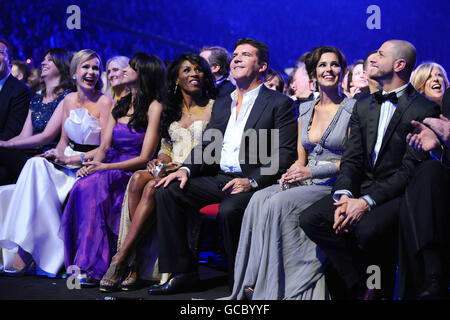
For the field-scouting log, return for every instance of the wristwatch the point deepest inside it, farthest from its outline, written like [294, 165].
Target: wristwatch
[253, 183]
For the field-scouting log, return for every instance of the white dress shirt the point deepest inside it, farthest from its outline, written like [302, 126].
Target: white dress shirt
[386, 112]
[231, 144]
[229, 160]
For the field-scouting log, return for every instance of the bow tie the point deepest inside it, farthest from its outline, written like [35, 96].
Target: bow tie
[384, 97]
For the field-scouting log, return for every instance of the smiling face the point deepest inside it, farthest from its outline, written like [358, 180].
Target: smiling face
[302, 84]
[190, 77]
[48, 67]
[328, 70]
[129, 75]
[371, 69]
[359, 78]
[382, 63]
[244, 64]
[434, 86]
[88, 73]
[114, 73]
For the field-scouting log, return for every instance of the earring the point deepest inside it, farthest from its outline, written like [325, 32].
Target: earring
[74, 77]
[176, 88]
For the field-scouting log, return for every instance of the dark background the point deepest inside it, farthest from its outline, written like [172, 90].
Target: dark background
[170, 27]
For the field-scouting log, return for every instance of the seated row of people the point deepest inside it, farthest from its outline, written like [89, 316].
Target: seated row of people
[81, 204]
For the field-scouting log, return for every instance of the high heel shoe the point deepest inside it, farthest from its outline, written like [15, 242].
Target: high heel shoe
[109, 285]
[132, 281]
[30, 268]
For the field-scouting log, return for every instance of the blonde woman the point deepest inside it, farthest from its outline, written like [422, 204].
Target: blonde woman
[431, 80]
[30, 217]
[115, 87]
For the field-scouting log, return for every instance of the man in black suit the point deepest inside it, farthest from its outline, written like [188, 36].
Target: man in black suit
[14, 97]
[357, 224]
[424, 256]
[247, 125]
[14, 102]
[219, 61]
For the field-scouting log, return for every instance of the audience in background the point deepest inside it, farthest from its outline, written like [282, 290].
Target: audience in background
[302, 85]
[115, 76]
[274, 80]
[357, 81]
[370, 70]
[20, 70]
[35, 81]
[14, 96]
[218, 59]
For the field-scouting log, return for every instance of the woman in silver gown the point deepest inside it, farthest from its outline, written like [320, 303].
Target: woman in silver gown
[275, 258]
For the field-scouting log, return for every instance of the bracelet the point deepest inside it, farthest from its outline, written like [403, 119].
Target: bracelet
[83, 159]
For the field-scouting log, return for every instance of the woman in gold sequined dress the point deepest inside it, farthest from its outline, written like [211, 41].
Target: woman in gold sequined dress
[190, 93]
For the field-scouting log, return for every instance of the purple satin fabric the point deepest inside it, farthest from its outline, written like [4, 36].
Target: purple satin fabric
[91, 219]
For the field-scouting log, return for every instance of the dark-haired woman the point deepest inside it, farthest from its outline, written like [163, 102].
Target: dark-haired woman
[43, 123]
[275, 259]
[190, 90]
[91, 218]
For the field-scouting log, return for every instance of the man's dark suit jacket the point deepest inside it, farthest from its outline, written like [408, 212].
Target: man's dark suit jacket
[14, 104]
[225, 88]
[446, 113]
[446, 104]
[396, 159]
[271, 110]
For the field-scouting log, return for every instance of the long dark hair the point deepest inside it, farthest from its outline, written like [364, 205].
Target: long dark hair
[172, 108]
[61, 58]
[149, 87]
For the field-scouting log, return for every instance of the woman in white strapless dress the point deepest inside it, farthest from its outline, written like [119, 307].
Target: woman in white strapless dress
[30, 210]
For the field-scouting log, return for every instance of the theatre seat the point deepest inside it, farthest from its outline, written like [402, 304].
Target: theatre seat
[210, 210]
[208, 244]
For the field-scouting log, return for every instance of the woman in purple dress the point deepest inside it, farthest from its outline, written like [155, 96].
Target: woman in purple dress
[91, 218]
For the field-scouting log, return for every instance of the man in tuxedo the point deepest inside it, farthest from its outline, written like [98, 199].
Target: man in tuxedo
[219, 61]
[14, 97]
[356, 225]
[248, 123]
[424, 254]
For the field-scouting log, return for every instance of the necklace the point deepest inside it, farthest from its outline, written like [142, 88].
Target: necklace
[187, 110]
